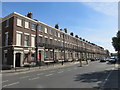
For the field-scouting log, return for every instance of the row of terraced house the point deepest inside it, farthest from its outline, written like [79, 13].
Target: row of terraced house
[26, 40]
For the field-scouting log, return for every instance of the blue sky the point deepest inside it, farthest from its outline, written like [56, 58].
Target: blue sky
[96, 22]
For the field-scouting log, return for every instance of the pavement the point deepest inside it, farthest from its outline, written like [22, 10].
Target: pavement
[95, 75]
[45, 67]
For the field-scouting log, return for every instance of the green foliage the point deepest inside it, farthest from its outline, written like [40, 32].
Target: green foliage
[116, 41]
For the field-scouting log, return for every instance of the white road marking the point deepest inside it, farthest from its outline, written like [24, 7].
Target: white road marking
[60, 72]
[48, 75]
[52, 71]
[5, 81]
[69, 70]
[11, 84]
[33, 78]
[107, 78]
[40, 74]
[24, 77]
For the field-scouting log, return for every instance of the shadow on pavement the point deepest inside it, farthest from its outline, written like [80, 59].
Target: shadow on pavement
[99, 79]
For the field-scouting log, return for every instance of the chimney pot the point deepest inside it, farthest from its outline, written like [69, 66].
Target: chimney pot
[30, 15]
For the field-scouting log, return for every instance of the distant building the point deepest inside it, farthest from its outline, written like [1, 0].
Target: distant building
[27, 40]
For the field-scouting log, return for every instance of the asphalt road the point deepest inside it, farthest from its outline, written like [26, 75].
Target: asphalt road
[93, 75]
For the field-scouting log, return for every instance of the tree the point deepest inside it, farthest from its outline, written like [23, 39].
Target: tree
[116, 43]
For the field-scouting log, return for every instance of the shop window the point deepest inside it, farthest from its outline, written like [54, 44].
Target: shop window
[33, 57]
[25, 58]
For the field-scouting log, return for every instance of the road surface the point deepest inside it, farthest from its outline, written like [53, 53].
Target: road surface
[93, 75]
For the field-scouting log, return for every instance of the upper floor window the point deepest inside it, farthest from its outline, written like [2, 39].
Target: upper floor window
[19, 22]
[51, 41]
[58, 34]
[26, 40]
[40, 27]
[41, 39]
[51, 31]
[33, 26]
[18, 39]
[26, 24]
[46, 30]
[55, 33]
[46, 40]
[6, 38]
[33, 41]
[7, 22]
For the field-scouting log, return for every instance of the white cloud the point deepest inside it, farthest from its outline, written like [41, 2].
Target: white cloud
[108, 8]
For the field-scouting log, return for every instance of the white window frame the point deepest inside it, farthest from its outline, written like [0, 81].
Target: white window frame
[46, 30]
[19, 22]
[28, 39]
[40, 28]
[32, 40]
[6, 38]
[58, 34]
[27, 24]
[7, 22]
[51, 31]
[18, 42]
[34, 26]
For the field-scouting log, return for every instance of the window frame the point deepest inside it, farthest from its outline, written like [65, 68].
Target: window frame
[32, 26]
[19, 23]
[28, 27]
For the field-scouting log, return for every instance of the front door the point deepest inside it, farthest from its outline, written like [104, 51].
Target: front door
[39, 56]
[18, 57]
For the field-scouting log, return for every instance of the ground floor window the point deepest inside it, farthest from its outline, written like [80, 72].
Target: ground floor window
[46, 54]
[5, 58]
[33, 57]
[25, 58]
[51, 54]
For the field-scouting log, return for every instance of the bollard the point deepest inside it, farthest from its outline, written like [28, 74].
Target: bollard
[80, 63]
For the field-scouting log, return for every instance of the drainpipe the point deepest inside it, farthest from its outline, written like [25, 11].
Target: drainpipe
[36, 45]
[63, 46]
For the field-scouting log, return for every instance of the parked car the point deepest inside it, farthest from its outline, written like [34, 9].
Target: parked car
[107, 59]
[112, 60]
[92, 59]
[5, 67]
[102, 60]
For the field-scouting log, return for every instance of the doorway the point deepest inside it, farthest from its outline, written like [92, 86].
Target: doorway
[18, 58]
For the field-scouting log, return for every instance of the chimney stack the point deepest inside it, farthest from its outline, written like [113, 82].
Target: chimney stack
[30, 15]
[57, 26]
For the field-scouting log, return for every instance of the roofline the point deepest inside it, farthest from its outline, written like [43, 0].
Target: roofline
[15, 13]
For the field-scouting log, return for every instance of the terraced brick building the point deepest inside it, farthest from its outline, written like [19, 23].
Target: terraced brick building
[26, 40]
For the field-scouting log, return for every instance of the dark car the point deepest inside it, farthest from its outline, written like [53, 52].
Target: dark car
[102, 60]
